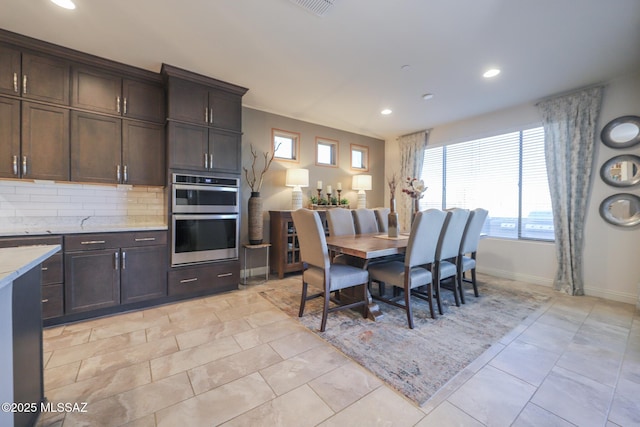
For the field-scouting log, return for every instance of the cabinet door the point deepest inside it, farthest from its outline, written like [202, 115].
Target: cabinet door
[226, 110]
[9, 137]
[9, 70]
[95, 147]
[143, 273]
[96, 91]
[45, 79]
[144, 101]
[188, 146]
[92, 280]
[188, 102]
[143, 153]
[45, 142]
[224, 149]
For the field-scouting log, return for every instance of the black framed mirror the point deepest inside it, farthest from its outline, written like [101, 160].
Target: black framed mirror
[621, 171]
[621, 209]
[623, 132]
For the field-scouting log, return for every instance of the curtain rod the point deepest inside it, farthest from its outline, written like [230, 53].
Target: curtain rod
[413, 133]
[570, 92]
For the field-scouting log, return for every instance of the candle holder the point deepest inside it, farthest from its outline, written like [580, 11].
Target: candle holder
[319, 195]
[329, 199]
[339, 197]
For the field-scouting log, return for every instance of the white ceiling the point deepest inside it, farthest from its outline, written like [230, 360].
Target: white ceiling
[342, 69]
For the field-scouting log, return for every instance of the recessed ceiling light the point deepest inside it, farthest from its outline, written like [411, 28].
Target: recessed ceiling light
[406, 67]
[67, 4]
[427, 96]
[386, 112]
[491, 73]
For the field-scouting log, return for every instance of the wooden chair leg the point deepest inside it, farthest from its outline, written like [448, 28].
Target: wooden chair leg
[407, 303]
[365, 300]
[438, 300]
[473, 282]
[430, 291]
[325, 310]
[303, 300]
[460, 288]
[455, 289]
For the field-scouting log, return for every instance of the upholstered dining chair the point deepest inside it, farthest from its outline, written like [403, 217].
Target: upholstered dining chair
[321, 273]
[365, 221]
[412, 273]
[446, 265]
[340, 222]
[469, 248]
[382, 217]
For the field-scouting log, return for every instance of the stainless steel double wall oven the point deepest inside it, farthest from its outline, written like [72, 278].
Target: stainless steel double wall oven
[205, 219]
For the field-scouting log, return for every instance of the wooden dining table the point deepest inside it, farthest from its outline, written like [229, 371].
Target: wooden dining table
[368, 247]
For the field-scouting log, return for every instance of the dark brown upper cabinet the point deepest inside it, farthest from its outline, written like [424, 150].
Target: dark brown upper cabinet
[35, 77]
[9, 136]
[199, 104]
[107, 93]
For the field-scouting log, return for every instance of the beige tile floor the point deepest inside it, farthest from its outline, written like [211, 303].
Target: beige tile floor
[236, 360]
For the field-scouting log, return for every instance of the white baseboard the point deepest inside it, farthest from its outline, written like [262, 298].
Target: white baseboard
[624, 297]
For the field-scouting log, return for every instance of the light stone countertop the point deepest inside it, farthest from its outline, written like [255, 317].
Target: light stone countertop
[14, 262]
[79, 230]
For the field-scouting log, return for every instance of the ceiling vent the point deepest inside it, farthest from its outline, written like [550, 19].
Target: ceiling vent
[317, 7]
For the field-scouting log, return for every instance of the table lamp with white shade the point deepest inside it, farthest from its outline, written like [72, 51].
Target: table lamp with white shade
[361, 183]
[297, 178]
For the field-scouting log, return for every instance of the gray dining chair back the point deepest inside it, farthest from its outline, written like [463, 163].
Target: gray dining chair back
[413, 273]
[319, 272]
[340, 222]
[382, 217]
[469, 248]
[365, 221]
[447, 255]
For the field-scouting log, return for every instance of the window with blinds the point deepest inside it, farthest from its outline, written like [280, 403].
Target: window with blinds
[505, 174]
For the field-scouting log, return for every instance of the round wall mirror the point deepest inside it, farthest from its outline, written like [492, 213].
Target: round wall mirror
[621, 171]
[621, 209]
[623, 132]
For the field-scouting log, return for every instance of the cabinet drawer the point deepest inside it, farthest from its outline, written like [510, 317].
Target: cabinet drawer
[52, 270]
[147, 238]
[88, 242]
[10, 242]
[52, 301]
[216, 277]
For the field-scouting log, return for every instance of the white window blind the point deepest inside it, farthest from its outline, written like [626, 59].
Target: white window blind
[505, 174]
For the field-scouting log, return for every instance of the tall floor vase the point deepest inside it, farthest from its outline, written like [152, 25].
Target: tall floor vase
[255, 218]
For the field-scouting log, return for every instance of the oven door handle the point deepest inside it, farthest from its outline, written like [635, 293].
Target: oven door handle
[183, 217]
[204, 187]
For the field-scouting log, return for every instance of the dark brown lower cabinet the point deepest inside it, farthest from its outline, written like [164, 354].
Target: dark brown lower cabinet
[143, 274]
[203, 279]
[109, 269]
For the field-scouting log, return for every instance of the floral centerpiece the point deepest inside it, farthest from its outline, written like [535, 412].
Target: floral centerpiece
[415, 189]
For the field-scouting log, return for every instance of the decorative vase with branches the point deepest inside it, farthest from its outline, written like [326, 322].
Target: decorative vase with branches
[255, 180]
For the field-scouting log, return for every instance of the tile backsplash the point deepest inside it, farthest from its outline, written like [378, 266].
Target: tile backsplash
[42, 205]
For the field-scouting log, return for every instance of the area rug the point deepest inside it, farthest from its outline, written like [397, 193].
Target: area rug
[417, 362]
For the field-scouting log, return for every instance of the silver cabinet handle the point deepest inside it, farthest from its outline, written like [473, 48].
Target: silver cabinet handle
[211, 161]
[92, 242]
[24, 84]
[211, 115]
[44, 301]
[118, 104]
[124, 260]
[24, 165]
[125, 174]
[15, 165]
[116, 258]
[206, 161]
[225, 274]
[44, 268]
[125, 106]
[206, 114]
[118, 173]
[15, 82]
[195, 279]
[145, 239]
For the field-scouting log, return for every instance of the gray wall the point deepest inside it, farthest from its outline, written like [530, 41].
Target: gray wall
[256, 127]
